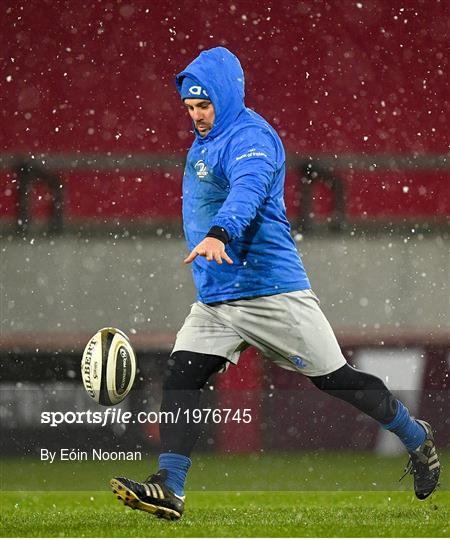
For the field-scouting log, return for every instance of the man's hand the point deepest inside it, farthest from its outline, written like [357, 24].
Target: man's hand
[212, 249]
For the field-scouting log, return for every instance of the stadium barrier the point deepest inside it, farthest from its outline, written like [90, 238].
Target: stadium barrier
[29, 172]
[309, 170]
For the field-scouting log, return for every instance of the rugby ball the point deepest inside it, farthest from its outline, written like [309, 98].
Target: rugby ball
[108, 366]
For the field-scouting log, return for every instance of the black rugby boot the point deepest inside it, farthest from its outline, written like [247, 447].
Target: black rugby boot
[424, 465]
[151, 496]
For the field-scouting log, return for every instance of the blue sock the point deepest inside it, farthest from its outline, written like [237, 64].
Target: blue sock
[410, 432]
[177, 467]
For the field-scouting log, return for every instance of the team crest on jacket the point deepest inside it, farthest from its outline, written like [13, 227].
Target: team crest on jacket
[201, 168]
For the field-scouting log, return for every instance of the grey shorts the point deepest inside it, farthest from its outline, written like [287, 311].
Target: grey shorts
[289, 328]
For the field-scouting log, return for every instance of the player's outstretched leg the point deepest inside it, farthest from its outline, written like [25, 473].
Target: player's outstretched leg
[162, 494]
[370, 395]
[424, 464]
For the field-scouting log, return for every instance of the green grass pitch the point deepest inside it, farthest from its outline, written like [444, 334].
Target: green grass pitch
[348, 495]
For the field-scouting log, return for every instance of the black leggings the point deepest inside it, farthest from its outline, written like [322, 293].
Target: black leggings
[186, 375]
[364, 391]
[188, 372]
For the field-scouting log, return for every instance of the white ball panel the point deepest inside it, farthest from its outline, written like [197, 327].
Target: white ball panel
[91, 366]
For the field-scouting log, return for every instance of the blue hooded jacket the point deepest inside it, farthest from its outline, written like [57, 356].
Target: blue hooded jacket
[234, 179]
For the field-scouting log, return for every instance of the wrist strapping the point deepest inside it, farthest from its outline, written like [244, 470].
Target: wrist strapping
[219, 233]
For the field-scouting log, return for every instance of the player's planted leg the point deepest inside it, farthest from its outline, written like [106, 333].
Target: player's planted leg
[162, 494]
[151, 496]
[370, 395]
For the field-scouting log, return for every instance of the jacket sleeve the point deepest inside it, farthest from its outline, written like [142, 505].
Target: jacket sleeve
[250, 166]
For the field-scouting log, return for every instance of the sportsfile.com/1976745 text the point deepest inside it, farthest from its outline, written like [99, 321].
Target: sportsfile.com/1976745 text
[117, 416]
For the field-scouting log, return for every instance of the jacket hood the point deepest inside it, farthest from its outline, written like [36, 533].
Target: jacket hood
[220, 73]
